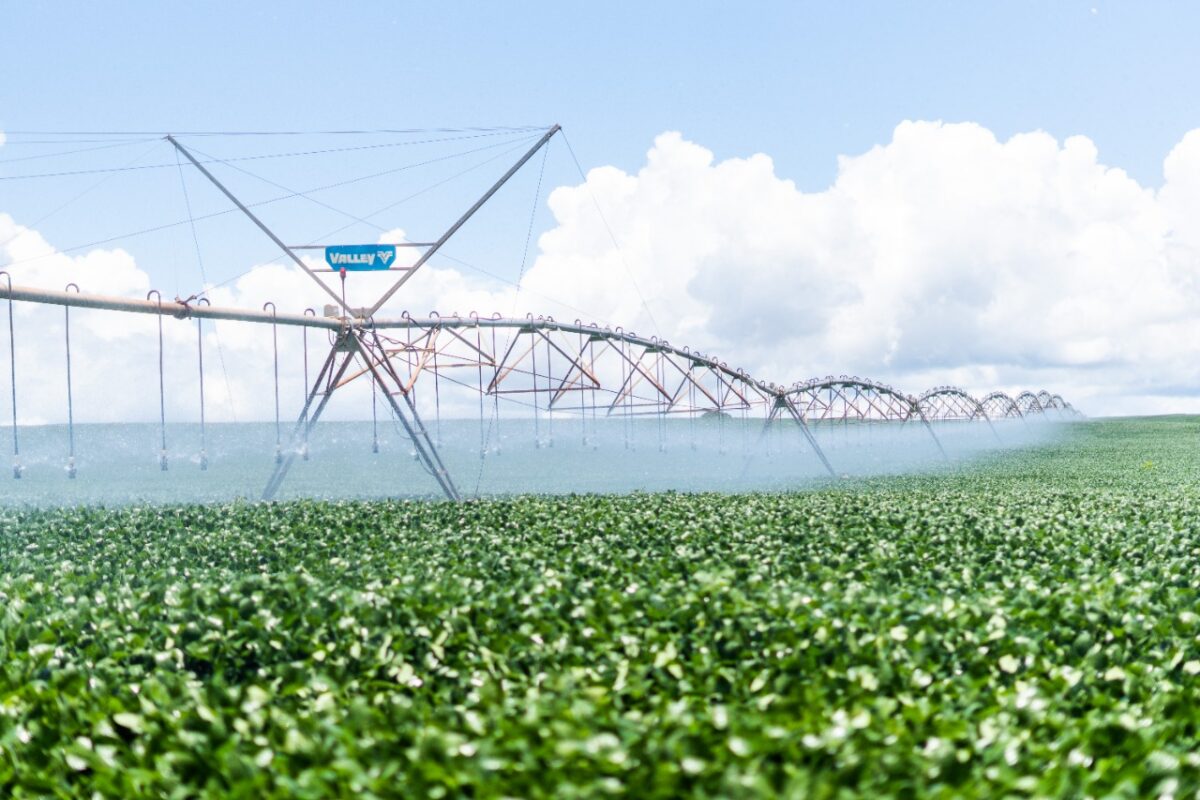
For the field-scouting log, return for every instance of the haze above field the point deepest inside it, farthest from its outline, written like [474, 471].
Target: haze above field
[995, 196]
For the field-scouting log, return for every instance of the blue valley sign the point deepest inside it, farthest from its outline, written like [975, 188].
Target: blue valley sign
[360, 257]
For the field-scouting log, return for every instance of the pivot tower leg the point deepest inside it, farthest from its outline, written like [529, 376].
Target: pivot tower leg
[350, 344]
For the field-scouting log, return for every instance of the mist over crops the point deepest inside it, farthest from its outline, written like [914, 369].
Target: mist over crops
[118, 464]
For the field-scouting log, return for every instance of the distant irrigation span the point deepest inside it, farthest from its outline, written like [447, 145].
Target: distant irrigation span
[534, 367]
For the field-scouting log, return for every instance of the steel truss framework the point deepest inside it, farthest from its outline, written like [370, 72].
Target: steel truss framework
[545, 367]
[541, 368]
[999, 405]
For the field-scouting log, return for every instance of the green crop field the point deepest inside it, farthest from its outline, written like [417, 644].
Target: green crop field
[1028, 628]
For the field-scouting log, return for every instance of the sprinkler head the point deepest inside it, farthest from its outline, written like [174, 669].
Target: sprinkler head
[278, 454]
[17, 470]
[375, 447]
[71, 467]
[304, 452]
[162, 460]
[203, 461]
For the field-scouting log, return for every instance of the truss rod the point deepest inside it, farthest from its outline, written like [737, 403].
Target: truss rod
[790, 407]
[470, 212]
[261, 225]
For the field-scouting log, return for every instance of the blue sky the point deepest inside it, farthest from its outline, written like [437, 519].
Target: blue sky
[861, 223]
[803, 82]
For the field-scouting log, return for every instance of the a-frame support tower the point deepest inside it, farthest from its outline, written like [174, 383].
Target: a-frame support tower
[358, 341]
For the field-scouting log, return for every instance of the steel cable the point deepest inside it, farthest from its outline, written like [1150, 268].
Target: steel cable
[33, 225]
[611, 235]
[187, 201]
[354, 132]
[270, 200]
[495, 353]
[256, 157]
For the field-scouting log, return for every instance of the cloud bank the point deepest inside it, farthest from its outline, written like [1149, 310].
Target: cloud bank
[943, 256]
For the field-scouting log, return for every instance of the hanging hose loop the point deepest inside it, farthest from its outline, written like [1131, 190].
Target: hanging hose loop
[12, 353]
[275, 355]
[162, 389]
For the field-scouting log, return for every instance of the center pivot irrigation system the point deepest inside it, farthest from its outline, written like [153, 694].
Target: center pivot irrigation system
[548, 368]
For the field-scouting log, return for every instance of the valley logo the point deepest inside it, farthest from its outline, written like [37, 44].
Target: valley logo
[360, 257]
